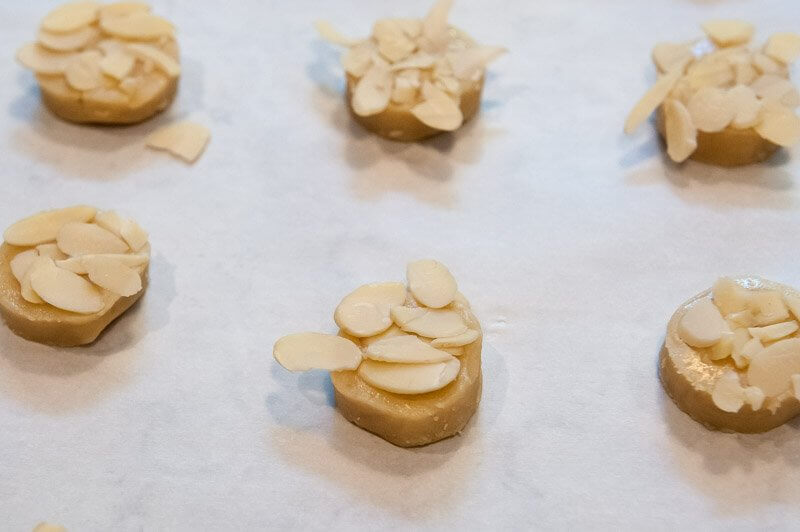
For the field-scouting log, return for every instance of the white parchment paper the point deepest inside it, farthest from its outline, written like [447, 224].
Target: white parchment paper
[574, 243]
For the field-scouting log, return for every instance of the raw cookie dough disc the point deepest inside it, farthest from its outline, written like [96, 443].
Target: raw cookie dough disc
[49, 325]
[414, 420]
[689, 380]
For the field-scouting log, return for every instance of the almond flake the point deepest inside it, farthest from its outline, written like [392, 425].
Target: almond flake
[133, 234]
[44, 226]
[117, 65]
[746, 106]
[77, 264]
[406, 86]
[776, 88]
[83, 73]
[113, 275]
[357, 60]
[462, 339]
[164, 62]
[434, 25]
[418, 60]
[783, 47]
[772, 369]
[50, 250]
[110, 220]
[70, 17]
[307, 351]
[405, 349]
[431, 283]
[469, 64]
[439, 110]
[767, 307]
[711, 71]
[65, 290]
[26, 290]
[330, 34]
[123, 9]
[44, 61]
[779, 126]
[365, 311]
[393, 43]
[666, 55]
[744, 72]
[77, 238]
[186, 140]
[770, 333]
[139, 25]
[711, 109]
[372, 92]
[766, 65]
[68, 42]
[412, 27]
[409, 379]
[430, 323]
[681, 134]
[796, 386]
[728, 394]
[702, 325]
[653, 98]
[728, 32]
[22, 262]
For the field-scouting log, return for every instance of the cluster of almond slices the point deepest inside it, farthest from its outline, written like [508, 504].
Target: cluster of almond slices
[77, 258]
[405, 341]
[756, 330]
[118, 53]
[710, 85]
[423, 65]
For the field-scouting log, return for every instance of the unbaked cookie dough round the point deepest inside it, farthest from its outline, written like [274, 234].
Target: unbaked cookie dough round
[720, 102]
[731, 358]
[104, 63]
[414, 78]
[66, 274]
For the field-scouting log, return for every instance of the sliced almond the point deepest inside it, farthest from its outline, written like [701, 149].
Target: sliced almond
[724, 348]
[70, 17]
[22, 262]
[430, 323]
[431, 283]
[391, 332]
[365, 311]
[123, 9]
[711, 71]
[307, 351]
[744, 72]
[742, 318]
[728, 32]
[139, 25]
[118, 65]
[754, 397]
[186, 140]
[796, 386]
[373, 91]
[421, 60]
[793, 303]
[161, 60]
[702, 325]
[357, 60]
[680, 132]
[130, 85]
[439, 110]
[783, 47]
[779, 126]
[111, 45]
[653, 98]
[111, 274]
[434, 25]
[729, 296]
[459, 340]
[50, 250]
[406, 86]
[393, 43]
[26, 290]
[110, 220]
[42, 60]
[772, 87]
[766, 65]
[746, 106]
[666, 55]
[68, 42]
[133, 234]
[105, 96]
[83, 72]
[412, 27]
[711, 110]
[740, 355]
[728, 394]
[48, 527]
[77, 264]
[66, 290]
[44, 226]
[409, 379]
[333, 36]
[770, 333]
[768, 307]
[77, 238]
[405, 349]
[772, 369]
[750, 350]
[470, 64]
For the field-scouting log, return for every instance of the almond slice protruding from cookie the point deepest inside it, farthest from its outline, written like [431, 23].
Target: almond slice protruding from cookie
[333, 36]
[783, 47]
[711, 109]
[22, 262]
[44, 226]
[430, 323]
[186, 140]
[780, 126]
[43, 61]
[405, 349]
[365, 312]
[747, 108]
[666, 55]
[702, 325]
[83, 72]
[391, 332]
[680, 131]
[65, 290]
[164, 62]
[772, 368]
[728, 32]
[373, 91]
[26, 290]
[431, 283]
[77, 264]
[439, 110]
[68, 42]
[754, 396]
[434, 25]
[728, 394]
[409, 379]
[358, 60]
[653, 98]
[110, 220]
[78, 238]
[133, 234]
[118, 65]
[469, 64]
[460, 340]
[70, 17]
[140, 25]
[770, 333]
[111, 274]
[307, 351]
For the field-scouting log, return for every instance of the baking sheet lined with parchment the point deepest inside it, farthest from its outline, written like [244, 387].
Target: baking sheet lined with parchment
[574, 243]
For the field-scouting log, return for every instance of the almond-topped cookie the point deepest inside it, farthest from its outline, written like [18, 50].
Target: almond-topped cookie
[406, 364]
[104, 63]
[66, 274]
[731, 358]
[413, 78]
[721, 102]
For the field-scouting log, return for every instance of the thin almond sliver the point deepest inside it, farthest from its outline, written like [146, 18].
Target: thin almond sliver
[653, 98]
[186, 139]
[333, 36]
[372, 92]
[65, 290]
[77, 264]
[77, 238]
[44, 226]
[470, 64]
[123, 9]
[746, 106]
[357, 60]
[666, 55]
[681, 135]
[164, 62]
[83, 73]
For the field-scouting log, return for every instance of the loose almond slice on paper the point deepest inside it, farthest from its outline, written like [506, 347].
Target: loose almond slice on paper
[680, 132]
[409, 379]
[66, 290]
[439, 110]
[70, 17]
[164, 62]
[702, 325]
[111, 274]
[50, 250]
[68, 42]
[365, 311]
[405, 349]
[77, 238]
[373, 91]
[728, 32]
[462, 339]
[431, 283]
[44, 226]
[22, 262]
[746, 107]
[118, 65]
[728, 394]
[44, 61]
[83, 73]
[780, 126]
[783, 47]
[430, 323]
[333, 36]
[186, 140]
[653, 98]
[307, 351]
[772, 369]
[711, 109]
[139, 25]
[667, 55]
[133, 234]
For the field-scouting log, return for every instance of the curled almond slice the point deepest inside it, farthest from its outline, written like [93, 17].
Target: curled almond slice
[357, 60]
[22, 262]
[164, 62]
[702, 325]
[68, 42]
[50, 250]
[373, 91]
[772, 368]
[653, 98]
[469, 64]
[70, 17]
[680, 132]
[430, 323]
[728, 394]
[77, 264]
[83, 73]
[748, 351]
[711, 109]
[332, 35]
[111, 274]
[405, 349]
[779, 126]
[44, 226]
[409, 379]
[307, 351]
[365, 311]
[78, 238]
[123, 9]
[783, 47]
[746, 107]
[439, 110]
[462, 339]
[118, 65]
[133, 234]
[728, 32]
[139, 25]
[666, 55]
[42, 60]
[431, 283]
[186, 140]
[774, 332]
[65, 290]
